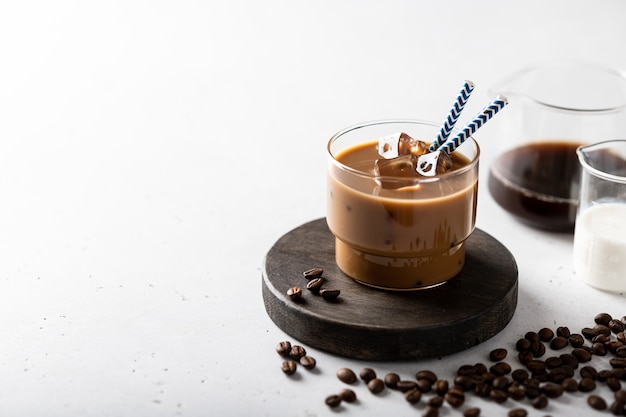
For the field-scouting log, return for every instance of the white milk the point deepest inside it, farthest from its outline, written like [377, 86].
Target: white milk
[600, 246]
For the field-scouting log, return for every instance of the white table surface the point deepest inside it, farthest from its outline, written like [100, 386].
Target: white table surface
[151, 153]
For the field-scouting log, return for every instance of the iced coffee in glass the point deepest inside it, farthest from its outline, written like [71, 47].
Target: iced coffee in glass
[395, 228]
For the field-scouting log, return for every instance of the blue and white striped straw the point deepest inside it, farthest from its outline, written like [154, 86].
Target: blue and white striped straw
[453, 115]
[488, 112]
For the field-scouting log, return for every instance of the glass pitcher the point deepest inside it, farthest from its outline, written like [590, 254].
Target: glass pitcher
[554, 108]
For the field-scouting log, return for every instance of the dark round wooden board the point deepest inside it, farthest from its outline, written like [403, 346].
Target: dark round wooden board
[372, 324]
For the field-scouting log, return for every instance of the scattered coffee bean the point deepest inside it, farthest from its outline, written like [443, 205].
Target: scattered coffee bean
[532, 336]
[500, 368]
[596, 402]
[333, 401]
[602, 318]
[569, 359]
[498, 354]
[621, 337]
[602, 329]
[604, 374]
[518, 393]
[613, 384]
[297, 352]
[586, 385]
[621, 351]
[329, 294]
[536, 366]
[391, 380]
[464, 382]
[558, 343]
[517, 412]
[346, 375]
[436, 401]
[500, 382]
[315, 284]
[424, 385]
[430, 412]
[589, 372]
[582, 355]
[472, 412]
[616, 326]
[313, 273]
[428, 375]
[441, 387]
[546, 334]
[618, 408]
[414, 396]
[552, 390]
[522, 345]
[569, 385]
[576, 340]
[295, 293]
[563, 331]
[405, 385]
[520, 375]
[375, 385]
[455, 397]
[620, 395]
[537, 348]
[283, 348]
[308, 362]
[553, 362]
[499, 396]
[618, 362]
[347, 395]
[367, 374]
[289, 367]
[589, 333]
[540, 402]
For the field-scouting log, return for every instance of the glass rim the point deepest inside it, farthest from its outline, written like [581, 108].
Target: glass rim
[580, 151]
[420, 180]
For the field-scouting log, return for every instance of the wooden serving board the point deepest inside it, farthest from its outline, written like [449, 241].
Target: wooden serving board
[372, 324]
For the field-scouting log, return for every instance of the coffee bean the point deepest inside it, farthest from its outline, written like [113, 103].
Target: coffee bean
[436, 401]
[621, 337]
[289, 367]
[455, 397]
[596, 402]
[582, 355]
[520, 375]
[604, 374]
[315, 284]
[557, 375]
[405, 385]
[333, 401]
[482, 389]
[558, 343]
[569, 359]
[424, 385]
[413, 396]
[430, 412]
[618, 408]
[616, 326]
[586, 385]
[428, 375]
[602, 318]
[308, 362]
[525, 357]
[563, 331]
[375, 385]
[297, 352]
[329, 294]
[367, 374]
[589, 333]
[589, 372]
[522, 345]
[283, 348]
[618, 362]
[540, 402]
[537, 348]
[480, 368]
[498, 354]
[553, 362]
[602, 329]
[517, 393]
[441, 387]
[620, 395]
[532, 336]
[598, 349]
[613, 384]
[313, 273]
[346, 375]
[471, 412]
[500, 368]
[347, 395]
[536, 366]
[621, 351]
[464, 382]
[552, 390]
[391, 380]
[546, 334]
[601, 338]
[576, 340]
[517, 412]
[499, 396]
[294, 293]
[569, 385]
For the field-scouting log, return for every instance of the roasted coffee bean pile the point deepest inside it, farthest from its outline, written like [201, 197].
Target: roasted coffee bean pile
[549, 364]
[315, 285]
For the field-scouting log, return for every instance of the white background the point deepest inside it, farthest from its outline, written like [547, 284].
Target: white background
[152, 152]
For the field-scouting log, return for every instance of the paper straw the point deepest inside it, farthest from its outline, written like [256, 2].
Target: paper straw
[453, 115]
[488, 112]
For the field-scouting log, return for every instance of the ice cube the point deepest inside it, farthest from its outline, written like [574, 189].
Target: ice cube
[433, 163]
[397, 144]
[403, 167]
